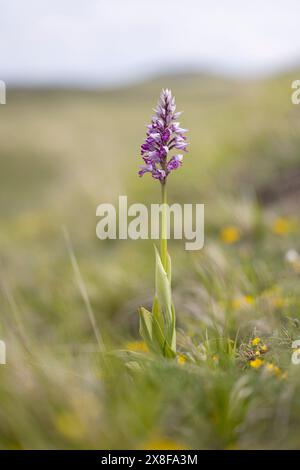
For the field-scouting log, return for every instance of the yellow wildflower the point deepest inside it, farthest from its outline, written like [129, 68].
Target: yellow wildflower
[274, 369]
[237, 303]
[243, 301]
[264, 348]
[278, 302]
[230, 235]
[256, 363]
[137, 346]
[282, 226]
[232, 446]
[255, 341]
[274, 297]
[69, 425]
[181, 359]
[163, 444]
[257, 353]
[215, 358]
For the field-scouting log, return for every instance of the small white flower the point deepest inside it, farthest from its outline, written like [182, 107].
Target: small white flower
[292, 256]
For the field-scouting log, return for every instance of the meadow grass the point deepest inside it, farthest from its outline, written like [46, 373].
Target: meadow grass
[237, 301]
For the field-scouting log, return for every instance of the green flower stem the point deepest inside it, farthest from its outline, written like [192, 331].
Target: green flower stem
[163, 233]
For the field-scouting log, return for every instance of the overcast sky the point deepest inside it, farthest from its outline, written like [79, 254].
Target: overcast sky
[110, 42]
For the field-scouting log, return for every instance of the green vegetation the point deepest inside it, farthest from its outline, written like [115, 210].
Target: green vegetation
[237, 301]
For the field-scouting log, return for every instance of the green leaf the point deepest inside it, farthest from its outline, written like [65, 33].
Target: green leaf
[145, 325]
[157, 313]
[169, 268]
[150, 331]
[163, 301]
[162, 284]
[158, 328]
[173, 331]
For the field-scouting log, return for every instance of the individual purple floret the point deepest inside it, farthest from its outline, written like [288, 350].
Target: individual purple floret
[163, 136]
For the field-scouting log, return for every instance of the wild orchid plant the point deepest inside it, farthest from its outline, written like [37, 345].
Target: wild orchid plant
[164, 136]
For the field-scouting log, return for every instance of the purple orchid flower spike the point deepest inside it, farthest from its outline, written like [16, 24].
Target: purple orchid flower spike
[164, 139]
[164, 135]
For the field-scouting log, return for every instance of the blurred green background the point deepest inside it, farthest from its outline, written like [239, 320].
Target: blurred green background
[63, 152]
